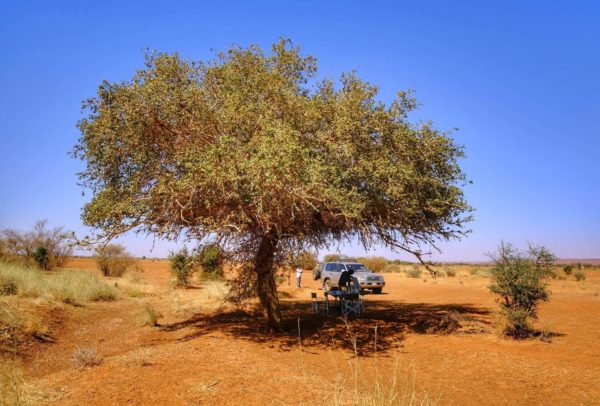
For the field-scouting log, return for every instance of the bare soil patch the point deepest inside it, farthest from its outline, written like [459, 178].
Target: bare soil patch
[438, 335]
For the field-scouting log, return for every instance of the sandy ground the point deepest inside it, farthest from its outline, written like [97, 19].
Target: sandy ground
[201, 354]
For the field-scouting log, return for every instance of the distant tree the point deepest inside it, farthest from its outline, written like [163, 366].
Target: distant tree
[210, 258]
[57, 243]
[113, 259]
[251, 150]
[307, 260]
[521, 281]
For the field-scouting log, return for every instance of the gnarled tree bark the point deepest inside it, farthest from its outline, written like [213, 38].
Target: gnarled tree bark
[266, 288]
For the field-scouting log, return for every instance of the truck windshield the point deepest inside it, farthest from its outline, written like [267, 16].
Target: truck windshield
[357, 267]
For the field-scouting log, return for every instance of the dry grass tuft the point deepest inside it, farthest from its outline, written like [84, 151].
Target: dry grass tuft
[12, 384]
[86, 358]
[148, 315]
[140, 357]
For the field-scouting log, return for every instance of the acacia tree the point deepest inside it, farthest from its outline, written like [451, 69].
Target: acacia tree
[251, 150]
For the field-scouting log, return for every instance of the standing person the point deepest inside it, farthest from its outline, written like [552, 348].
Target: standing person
[298, 276]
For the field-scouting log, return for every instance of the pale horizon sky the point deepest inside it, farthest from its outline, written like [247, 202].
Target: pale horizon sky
[519, 80]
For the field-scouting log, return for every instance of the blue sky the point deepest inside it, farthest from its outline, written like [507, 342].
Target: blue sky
[519, 79]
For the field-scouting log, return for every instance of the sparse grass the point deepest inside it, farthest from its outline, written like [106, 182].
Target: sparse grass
[16, 325]
[21, 280]
[12, 385]
[71, 287]
[579, 275]
[140, 357]
[148, 315]
[214, 291]
[132, 291]
[137, 278]
[86, 358]
[77, 287]
[15, 390]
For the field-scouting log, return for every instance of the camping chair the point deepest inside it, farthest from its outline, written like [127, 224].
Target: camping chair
[352, 304]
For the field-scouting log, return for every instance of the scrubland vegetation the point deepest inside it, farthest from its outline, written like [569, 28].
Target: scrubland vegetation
[71, 287]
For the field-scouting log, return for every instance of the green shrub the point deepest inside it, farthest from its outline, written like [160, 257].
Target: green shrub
[113, 260]
[568, 269]
[210, 259]
[415, 272]
[579, 275]
[41, 257]
[451, 273]
[182, 266]
[520, 279]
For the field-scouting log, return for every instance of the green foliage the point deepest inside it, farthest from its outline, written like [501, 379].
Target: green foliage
[41, 257]
[113, 260]
[307, 260]
[579, 275]
[520, 279]
[182, 266]
[210, 258]
[303, 259]
[568, 269]
[250, 148]
[451, 273]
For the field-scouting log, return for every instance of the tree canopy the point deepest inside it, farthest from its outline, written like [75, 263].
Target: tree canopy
[252, 150]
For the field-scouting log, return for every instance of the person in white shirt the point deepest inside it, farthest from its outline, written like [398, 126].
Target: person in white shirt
[298, 276]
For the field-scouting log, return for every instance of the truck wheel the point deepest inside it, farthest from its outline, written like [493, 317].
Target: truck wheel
[377, 291]
[326, 285]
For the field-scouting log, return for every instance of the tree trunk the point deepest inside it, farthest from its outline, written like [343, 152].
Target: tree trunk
[266, 287]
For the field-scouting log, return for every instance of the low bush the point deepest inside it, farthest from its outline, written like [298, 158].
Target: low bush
[41, 257]
[451, 273]
[579, 275]
[113, 260]
[415, 272]
[210, 260]
[181, 264]
[520, 279]
[568, 269]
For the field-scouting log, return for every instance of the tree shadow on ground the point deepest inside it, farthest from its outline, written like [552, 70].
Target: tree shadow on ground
[381, 327]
